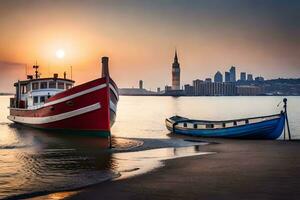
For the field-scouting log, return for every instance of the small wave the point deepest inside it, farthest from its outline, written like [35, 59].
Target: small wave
[4, 123]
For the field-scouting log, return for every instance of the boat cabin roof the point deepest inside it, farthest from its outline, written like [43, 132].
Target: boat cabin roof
[25, 82]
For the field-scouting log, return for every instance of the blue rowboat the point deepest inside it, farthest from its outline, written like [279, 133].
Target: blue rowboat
[264, 127]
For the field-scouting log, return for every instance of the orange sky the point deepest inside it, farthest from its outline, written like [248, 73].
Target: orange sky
[140, 38]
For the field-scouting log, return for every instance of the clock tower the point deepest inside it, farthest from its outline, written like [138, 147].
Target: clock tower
[175, 73]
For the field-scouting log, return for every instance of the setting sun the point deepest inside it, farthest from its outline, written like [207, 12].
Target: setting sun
[60, 53]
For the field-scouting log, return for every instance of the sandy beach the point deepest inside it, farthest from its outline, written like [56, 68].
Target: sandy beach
[240, 169]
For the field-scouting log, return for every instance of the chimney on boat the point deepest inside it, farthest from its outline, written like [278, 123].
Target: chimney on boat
[65, 75]
[105, 71]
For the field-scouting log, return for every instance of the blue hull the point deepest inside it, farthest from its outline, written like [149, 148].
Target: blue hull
[269, 129]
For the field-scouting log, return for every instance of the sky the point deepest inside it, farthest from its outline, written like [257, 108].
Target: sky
[140, 36]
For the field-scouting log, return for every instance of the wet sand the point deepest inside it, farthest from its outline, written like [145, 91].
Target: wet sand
[239, 170]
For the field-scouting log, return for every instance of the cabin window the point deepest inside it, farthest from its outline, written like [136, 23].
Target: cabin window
[35, 100]
[210, 126]
[35, 86]
[44, 85]
[23, 89]
[68, 86]
[61, 85]
[42, 99]
[195, 126]
[52, 84]
[28, 87]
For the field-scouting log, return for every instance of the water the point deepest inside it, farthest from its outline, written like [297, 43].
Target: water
[38, 162]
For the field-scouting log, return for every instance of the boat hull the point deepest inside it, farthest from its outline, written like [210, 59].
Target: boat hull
[269, 129]
[88, 108]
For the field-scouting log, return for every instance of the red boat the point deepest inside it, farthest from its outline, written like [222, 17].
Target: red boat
[56, 104]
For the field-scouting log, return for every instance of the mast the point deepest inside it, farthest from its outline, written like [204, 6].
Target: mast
[36, 70]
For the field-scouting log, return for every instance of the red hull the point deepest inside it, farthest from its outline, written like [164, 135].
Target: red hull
[87, 107]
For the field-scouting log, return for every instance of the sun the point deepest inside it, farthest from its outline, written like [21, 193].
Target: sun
[60, 53]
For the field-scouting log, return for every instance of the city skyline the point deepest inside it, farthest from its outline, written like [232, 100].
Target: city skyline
[140, 38]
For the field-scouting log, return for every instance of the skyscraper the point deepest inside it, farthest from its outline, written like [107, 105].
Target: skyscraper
[141, 84]
[232, 74]
[227, 77]
[175, 73]
[243, 76]
[218, 77]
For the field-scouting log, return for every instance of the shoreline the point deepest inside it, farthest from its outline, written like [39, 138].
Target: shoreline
[248, 169]
[142, 160]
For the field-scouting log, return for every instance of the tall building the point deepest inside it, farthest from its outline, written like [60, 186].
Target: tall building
[141, 84]
[204, 88]
[243, 76]
[249, 77]
[218, 77]
[189, 90]
[198, 87]
[227, 77]
[232, 74]
[175, 73]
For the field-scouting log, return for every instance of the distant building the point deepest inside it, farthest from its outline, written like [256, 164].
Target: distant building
[208, 80]
[218, 89]
[249, 90]
[206, 88]
[232, 74]
[141, 84]
[229, 89]
[227, 77]
[243, 76]
[198, 87]
[218, 77]
[168, 88]
[189, 90]
[249, 77]
[135, 92]
[259, 79]
[175, 73]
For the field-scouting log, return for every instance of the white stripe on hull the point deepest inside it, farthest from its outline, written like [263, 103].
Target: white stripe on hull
[54, 118]
[114, 91]
[75, 95]
[67, 97]
[113, 106]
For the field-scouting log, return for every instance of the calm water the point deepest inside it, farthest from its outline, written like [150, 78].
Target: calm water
[33, 161]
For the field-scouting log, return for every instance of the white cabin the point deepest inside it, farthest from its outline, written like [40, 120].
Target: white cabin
[32, 93]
